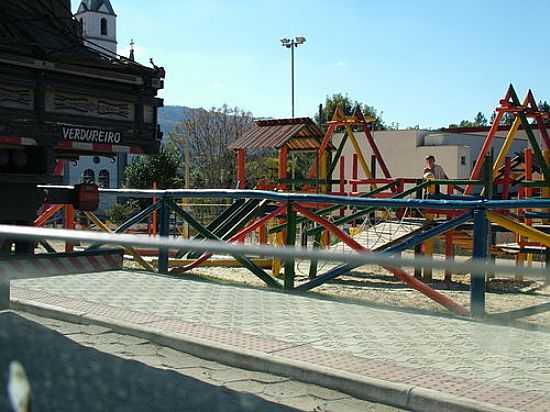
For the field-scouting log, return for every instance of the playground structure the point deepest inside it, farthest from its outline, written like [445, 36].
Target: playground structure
[512, 195]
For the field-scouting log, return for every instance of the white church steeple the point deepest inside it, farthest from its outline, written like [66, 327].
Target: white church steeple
[98, 20]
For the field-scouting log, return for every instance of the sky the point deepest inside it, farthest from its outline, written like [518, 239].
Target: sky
[423, 62]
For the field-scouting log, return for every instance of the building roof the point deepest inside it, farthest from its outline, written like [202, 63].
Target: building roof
[35, 29]
[96, 5]
[297, 134]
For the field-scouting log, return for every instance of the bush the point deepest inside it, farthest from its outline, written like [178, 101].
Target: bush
[162, 168]
[121, 212]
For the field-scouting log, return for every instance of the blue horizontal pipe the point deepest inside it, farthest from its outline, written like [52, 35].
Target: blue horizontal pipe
[318, 198]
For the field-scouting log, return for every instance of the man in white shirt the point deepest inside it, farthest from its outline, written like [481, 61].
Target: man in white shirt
[437, 170]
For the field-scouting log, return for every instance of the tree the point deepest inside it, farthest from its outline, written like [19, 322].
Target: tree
[161, 168]
[480, 120]
[348, 105]
[207, 135]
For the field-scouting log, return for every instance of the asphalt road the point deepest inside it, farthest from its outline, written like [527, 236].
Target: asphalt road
[66, 376]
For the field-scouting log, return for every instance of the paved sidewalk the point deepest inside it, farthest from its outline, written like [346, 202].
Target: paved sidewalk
[206, 385]
[405, 359]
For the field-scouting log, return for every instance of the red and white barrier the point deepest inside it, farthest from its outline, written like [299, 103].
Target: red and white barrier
[62, 264]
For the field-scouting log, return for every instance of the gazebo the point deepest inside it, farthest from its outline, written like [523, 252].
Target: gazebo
[285, 135]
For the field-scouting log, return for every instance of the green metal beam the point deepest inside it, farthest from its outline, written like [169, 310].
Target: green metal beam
[290, 242]
[532, 139]
[243, 260]
[337, 155]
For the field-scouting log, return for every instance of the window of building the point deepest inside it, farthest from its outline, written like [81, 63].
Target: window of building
[104, 27]
[104, 179]
[463, 160]
[88, 176]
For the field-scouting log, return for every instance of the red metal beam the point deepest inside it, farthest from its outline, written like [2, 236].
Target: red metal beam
[483, 152]
[46, 215]
[377, 153]
[241, 168]
[283, 165]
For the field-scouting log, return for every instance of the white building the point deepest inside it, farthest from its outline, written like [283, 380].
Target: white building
[98, 21]
[404, 151]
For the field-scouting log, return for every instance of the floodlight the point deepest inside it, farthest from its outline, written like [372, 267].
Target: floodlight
[300, 39]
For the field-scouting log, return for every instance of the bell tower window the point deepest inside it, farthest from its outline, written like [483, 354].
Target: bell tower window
[104, 27]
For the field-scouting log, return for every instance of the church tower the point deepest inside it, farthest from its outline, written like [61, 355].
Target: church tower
[98, 20]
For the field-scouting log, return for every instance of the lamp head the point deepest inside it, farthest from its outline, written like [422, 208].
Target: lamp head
[300, 39]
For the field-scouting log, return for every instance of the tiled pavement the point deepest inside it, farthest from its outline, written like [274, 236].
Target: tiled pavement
[503, 366]
[276, 389]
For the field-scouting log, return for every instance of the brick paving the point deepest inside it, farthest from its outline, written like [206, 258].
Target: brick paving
[503, 366]
[283, 394]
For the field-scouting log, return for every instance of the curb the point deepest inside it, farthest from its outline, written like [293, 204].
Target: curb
[399, 395]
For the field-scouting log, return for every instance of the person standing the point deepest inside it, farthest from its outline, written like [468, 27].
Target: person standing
[436, 170]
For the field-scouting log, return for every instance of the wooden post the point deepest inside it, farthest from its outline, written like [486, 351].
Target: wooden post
[506, 178]
[154, 216]
[449, 246]
[241, 168]
[528, 194]
[290, 241]
[488, 183]
[69, 224]
[283, 166]
[477, 281]
[342, 182]
[354, 167]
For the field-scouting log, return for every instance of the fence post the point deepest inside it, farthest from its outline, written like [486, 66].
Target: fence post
[477, 280]
[69, 224]
[488, 194]
[290, 241]
[164, 231]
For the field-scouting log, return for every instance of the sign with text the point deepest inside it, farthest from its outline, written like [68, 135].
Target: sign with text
[90, 135]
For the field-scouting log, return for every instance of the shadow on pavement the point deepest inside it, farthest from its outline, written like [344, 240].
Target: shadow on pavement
[68, 377]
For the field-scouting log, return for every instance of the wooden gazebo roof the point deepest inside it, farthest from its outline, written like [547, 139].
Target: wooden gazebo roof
[297, 134]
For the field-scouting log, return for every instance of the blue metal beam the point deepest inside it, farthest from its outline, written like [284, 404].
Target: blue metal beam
[164, 230]
[437, 230]
[481, 246]
[336, 200]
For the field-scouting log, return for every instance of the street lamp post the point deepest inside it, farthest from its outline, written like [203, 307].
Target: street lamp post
[291, 44]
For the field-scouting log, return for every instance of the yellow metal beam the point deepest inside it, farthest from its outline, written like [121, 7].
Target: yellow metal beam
[520, 228]
[129, 249]
[506, 145]
[359, 152]
[228, 263]
[323, 171]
